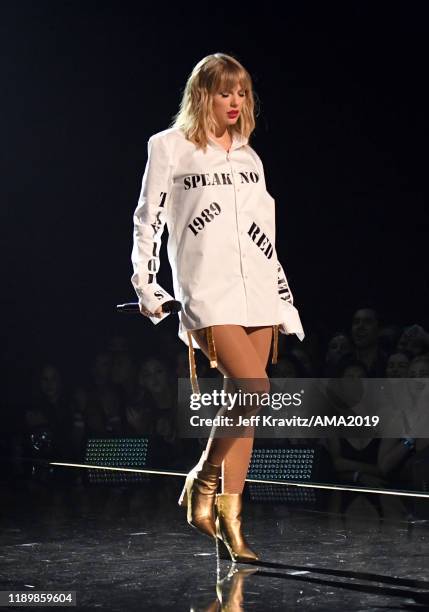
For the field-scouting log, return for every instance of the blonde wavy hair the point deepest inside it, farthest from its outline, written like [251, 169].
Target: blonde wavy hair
[214, 73]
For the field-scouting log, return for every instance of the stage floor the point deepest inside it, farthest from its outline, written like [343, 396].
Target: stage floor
[124, 545]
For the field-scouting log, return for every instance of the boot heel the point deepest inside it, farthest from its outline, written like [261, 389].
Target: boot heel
[222, 551]
[183, 499]
[229, 531]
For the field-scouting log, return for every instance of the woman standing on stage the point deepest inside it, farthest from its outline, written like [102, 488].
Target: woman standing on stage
[207, 183]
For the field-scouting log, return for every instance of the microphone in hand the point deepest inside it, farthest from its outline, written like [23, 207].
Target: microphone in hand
[173, 306]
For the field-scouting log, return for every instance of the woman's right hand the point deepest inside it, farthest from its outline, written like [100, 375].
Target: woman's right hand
[158, 312]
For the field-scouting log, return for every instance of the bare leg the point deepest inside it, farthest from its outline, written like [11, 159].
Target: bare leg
[236, 462]
[242, 354]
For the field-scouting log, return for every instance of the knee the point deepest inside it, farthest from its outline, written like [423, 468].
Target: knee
[259, 386]
[258, 391]
[266, 386]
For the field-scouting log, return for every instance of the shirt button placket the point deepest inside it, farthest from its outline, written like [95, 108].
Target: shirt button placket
[240, 233]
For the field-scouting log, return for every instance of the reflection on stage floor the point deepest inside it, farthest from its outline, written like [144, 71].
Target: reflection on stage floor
[122, 543]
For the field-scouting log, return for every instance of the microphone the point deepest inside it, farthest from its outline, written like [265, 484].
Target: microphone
[134, 308]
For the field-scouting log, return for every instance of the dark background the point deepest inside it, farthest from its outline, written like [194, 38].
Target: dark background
[342, 132]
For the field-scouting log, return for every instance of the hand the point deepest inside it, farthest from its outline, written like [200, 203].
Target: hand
[158, 312]
[133, 417]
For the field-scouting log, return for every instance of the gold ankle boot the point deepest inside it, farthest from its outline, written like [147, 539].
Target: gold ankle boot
[199, 494]
[230, 541]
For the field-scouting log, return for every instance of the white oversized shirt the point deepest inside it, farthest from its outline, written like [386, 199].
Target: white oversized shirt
[221, 236]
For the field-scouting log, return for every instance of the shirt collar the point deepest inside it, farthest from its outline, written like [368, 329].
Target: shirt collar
[237, 141]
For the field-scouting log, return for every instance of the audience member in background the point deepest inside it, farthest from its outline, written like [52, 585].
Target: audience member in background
[156, 376]
[99, 400]
[405, 461]
[123, 369]
[167, 446]
[413, 341]
[141, 410]
[339, 346]
[354, 459]
[50, 412]
[314, 348]
[365, 330]
[397, 365]
[305, 361]
[345, 388]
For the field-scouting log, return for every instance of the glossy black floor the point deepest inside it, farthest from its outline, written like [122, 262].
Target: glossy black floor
[125, 545]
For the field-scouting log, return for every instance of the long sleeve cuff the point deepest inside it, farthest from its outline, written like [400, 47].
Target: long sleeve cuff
[151, 296]
[291, 323]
